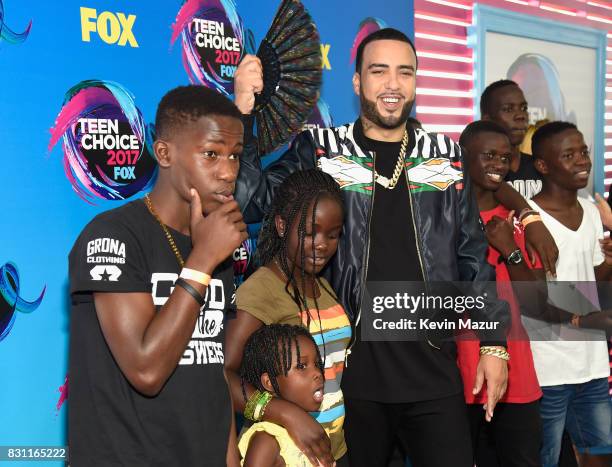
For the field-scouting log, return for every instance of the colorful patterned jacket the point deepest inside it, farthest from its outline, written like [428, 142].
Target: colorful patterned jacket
[450, 240]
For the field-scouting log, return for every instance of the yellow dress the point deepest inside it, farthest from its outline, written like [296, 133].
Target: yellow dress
[290, 453]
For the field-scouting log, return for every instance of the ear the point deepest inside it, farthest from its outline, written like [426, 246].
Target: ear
[266, 383]
[485, 117]
[281, 225]
[162, 153]
[356, 82]
[540, 165]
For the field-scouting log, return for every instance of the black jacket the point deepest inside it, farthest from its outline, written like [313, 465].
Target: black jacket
[450, 239]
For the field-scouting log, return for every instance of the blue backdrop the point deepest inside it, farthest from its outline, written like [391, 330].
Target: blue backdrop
[128, 43]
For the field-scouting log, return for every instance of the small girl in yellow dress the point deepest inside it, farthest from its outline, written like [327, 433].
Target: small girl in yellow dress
[280, 360]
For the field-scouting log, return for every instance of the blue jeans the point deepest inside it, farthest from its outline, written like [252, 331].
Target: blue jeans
[585, 410]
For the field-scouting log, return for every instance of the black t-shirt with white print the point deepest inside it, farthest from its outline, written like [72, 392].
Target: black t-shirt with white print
[110, 422]
[526, 180]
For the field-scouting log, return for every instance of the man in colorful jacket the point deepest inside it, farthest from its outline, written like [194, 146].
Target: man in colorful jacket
[410, 216]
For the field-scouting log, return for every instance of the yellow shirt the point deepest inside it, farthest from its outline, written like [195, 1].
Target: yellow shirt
[290, 453]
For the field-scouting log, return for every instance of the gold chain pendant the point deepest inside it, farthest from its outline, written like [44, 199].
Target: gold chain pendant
[399, 166]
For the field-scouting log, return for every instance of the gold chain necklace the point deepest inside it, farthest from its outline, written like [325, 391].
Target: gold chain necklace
[177, 253]
[399, 166]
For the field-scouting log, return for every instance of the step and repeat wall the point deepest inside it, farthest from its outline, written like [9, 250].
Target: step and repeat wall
[79, 85]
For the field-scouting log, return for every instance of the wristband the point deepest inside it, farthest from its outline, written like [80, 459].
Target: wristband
[526, 212]
[190, 290]
[495, 352]
[197, 276]
[529, 219]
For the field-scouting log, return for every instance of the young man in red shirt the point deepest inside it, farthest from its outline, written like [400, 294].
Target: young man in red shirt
[516, 426]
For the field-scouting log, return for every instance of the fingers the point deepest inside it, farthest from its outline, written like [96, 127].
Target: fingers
[241, 226]
[228, 207]
[503, 389]
[604, 211]
[195, 207]
[601, 203]
[549, 267]
[532, 256]
[478, 382]
[234, 216]
[510, 218]
[495, 371]
[550, 260]
[541, 241]
[248, 81]
[249, 76]
[319, 453]
[554, 255]
[492, 398]
[325, 456]
[495, 391]
[310, 455]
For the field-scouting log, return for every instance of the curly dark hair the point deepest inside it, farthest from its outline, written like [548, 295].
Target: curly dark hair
[268, 350]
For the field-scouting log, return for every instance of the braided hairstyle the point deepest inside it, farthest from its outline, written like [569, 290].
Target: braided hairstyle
[291, 202]
[268, 350]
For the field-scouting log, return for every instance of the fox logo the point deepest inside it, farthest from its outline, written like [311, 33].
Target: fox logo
[111, 28]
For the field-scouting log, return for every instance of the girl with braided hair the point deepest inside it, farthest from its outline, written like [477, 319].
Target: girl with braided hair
[298, 237]
[284, 361]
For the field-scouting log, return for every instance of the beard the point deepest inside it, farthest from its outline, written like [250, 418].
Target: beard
[369, 111]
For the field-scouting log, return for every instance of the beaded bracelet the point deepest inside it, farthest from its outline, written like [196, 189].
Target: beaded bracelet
[256, 405]
[249, 407]
[262, 403]
[495, 352]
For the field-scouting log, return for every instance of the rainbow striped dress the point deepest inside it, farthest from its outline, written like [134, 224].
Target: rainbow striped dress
[263, 296]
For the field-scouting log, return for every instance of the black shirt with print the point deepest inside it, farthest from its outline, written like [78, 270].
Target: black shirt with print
[526, 180]
[110, 423]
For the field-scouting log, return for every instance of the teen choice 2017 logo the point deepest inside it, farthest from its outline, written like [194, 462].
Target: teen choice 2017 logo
[10, 301]
[9, 36]
[213, 42]
[106, 144]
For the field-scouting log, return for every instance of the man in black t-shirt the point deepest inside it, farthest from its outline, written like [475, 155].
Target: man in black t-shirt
[504, 103]
[150, 285]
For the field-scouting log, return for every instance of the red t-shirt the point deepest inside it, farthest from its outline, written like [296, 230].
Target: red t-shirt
[523, 383]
